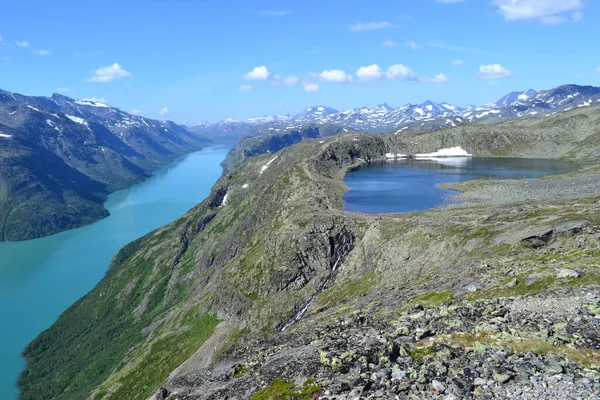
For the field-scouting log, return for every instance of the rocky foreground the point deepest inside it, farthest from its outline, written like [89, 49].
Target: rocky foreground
[270, 290]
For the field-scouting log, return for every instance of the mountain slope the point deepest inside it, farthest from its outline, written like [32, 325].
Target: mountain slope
[271, 248]
[425, 117]
[61, 157]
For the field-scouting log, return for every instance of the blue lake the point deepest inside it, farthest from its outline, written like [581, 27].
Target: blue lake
[40, 278]
[413, 185]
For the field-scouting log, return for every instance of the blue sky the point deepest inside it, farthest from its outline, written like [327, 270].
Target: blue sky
[195, 60]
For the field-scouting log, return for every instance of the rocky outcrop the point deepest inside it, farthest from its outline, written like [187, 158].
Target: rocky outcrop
[430, 304]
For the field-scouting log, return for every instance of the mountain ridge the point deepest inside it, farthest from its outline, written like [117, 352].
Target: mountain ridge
[362, 297]
[424, 117]
[61, 157]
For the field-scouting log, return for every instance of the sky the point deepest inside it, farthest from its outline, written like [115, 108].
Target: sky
[196, 60]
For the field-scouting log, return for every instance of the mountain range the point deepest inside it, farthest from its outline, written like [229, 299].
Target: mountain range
[60, 158]
[424, 117]
[271, 289]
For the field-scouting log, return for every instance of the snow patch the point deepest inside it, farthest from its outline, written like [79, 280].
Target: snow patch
[449, 152]
[392, 155]
[245, 185]
[4, 135]
[225, 198]
[34, 109]
[91, 103]
[77, 119]
[264, 167]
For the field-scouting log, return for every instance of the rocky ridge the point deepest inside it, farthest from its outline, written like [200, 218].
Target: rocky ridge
[424, 117]
[427, 304]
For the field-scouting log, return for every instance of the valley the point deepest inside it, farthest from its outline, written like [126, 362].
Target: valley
[461, 300]
[61, 157]
[41, 278]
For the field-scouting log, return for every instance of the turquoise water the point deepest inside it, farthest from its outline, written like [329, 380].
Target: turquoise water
[41, 278]
[413, 185]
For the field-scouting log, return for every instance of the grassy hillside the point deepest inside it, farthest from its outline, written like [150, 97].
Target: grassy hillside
[272, 238]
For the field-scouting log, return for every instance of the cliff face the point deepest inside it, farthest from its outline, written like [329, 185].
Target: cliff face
[272, 250]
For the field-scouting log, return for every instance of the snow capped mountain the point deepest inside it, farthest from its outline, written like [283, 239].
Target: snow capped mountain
[317, 112]
[532, 104]
[514, 97]
[423, 117]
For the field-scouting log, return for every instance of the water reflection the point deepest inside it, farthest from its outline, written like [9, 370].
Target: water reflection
[413, 185]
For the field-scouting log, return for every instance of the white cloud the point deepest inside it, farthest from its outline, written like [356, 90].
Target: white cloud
[311, 88]
[400, 72]
[108, 74]
[164, 111]
[43, 52]
[413, 45]
[245, 88]
[335, 76]
[458, 62]
[95, 99]
[369, 73]
[389, 43]
[22, 43]
[136, 112]
[62, 89]
[547, 12]
[279, 80]
[274, 13]
[494, 71]
[258, 74]
[439, 78]
[369, 26]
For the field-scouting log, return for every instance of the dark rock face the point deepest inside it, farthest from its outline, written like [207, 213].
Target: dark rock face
[570, 227]
[60, 157]
[538, 239]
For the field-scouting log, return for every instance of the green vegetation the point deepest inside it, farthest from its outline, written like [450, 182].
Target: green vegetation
[347, 291]
[283, 390]
[585, 357]
[421, 352]
[164, 354]
[60, 370]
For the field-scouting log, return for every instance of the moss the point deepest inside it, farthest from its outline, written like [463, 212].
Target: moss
[349, 290]
[585, 357]
[433, 298]
[419, 238]
[285, 390]
[421, 352]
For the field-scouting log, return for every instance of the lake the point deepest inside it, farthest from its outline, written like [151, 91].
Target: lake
[40, 278]
[413, 185]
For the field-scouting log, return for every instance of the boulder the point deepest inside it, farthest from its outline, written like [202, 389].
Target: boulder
[570, 227]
